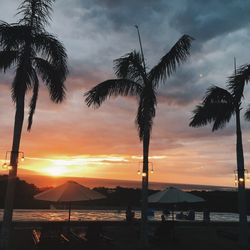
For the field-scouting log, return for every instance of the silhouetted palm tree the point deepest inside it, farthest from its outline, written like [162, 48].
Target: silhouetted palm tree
[134, 80]
[237, 84]
[33, 52]
[218, 107]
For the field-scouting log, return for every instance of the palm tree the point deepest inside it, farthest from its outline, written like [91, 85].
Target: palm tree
[133, 79]
[218, 107]
[237, 82]
[34, 53]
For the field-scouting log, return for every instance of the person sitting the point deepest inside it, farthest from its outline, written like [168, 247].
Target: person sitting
[166, 212]
[150, 212]
[206, 215]
[181, 216]
[129, 214]
[191, 215]
[163, 219]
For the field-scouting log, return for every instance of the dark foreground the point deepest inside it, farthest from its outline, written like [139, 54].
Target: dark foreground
[122, 235]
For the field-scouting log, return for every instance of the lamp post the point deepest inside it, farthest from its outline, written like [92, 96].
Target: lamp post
[8, 153]
[139, 172]
[239, 180]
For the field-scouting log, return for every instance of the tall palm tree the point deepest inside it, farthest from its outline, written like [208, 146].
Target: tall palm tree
[133, 79]
[33, 52]
[218, 107]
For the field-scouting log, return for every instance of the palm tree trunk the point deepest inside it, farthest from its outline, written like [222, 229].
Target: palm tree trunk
[243, 235]
[144, 206]
[9, 198]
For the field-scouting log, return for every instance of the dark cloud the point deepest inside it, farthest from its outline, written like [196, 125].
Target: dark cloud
[95, 32]
[206, 20]
[182, 88]
[120, 14]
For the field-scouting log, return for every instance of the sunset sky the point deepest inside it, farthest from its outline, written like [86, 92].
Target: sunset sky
[70, 139]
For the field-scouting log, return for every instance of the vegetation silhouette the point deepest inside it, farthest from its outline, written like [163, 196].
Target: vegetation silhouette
[218, 107]
[134, 79]
[34, 52]
[118, 198]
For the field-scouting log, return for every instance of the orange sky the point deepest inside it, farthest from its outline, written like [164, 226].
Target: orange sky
[71, 139]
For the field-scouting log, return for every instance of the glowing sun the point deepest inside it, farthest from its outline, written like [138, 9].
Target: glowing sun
[56, 170]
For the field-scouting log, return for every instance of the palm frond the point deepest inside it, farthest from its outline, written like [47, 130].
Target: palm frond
[217, 113]
[12, 36]
[216, 95]
[53, 77]
[168, 63]
[51, 49]
[146, 111]
[224, 114]
[202, 115]
[217, 107]
[113, 87]
[33, 99]
[35, 13]
[236, 82]
[8, 58]
[130, 67]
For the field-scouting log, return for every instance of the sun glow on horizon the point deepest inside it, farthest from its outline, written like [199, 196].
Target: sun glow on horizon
[73, 166]
[56, 171]
[168, 167]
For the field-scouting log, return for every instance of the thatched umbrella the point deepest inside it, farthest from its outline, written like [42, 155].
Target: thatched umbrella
[173, 195]
[69, 192]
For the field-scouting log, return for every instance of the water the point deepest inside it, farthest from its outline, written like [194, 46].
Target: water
[102, 215]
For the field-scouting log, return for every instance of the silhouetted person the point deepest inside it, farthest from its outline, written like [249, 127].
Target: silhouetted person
[163, 219]
[191, 215]
[181, 216]
[129, 214]
[166, 212]
[206, 215]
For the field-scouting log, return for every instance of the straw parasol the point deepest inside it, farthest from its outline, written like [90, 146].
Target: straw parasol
[69, 192]
[173, 195]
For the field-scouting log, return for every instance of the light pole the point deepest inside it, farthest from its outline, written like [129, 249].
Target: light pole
[9, 153]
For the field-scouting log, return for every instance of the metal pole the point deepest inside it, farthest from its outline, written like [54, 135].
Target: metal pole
[234, 66]
[69, 211]
[142, 55]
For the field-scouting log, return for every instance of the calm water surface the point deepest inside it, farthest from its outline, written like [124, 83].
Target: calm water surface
[109, 215]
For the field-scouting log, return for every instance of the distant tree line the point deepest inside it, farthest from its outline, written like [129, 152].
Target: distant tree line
[120, 198]
[23, 196]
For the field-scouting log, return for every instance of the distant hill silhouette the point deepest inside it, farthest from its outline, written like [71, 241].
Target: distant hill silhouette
[23, 195]
[119, 197]
[48, 181]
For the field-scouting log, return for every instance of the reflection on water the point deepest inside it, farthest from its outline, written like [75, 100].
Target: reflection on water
[101, 215]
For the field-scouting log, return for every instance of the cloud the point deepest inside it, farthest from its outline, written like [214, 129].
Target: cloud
[95, 32]
[210, 19]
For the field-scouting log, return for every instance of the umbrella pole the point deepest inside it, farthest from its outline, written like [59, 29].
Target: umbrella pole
[69, 211]
[173, 221]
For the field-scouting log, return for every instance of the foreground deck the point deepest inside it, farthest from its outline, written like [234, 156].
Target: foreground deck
[188, 235]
